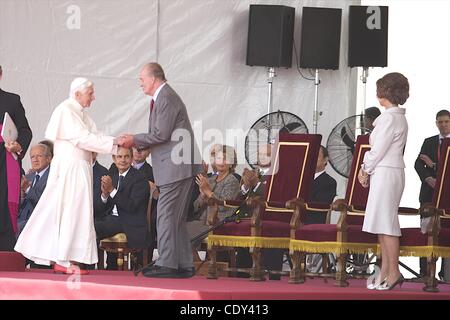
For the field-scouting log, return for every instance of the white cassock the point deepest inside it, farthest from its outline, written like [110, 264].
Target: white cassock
[61, 227]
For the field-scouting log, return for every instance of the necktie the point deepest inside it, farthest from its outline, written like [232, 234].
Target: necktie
[36, 179]
[152, 102]
[120, 182]
[440, 149]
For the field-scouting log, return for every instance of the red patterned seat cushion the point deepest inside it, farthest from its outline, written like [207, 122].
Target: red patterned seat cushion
[316, 232]
[356, 235]
[275, 229]
[328, 232]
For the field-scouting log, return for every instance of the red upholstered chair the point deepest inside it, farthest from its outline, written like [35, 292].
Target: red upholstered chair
[436, 242]
[291, 176]
[342, 238]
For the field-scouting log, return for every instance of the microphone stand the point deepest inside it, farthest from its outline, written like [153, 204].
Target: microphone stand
[235, 217]
[232, 218]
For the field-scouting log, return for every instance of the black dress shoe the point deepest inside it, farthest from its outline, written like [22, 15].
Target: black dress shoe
[162, 272]
[186, 273]
[143, 269]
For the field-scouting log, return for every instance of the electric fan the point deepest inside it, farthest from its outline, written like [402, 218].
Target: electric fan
[266, 128]
[341, 143]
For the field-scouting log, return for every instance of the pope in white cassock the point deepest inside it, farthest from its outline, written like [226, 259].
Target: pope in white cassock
[61, 229]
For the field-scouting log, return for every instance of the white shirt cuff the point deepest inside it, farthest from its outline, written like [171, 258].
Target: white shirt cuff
[113, 193]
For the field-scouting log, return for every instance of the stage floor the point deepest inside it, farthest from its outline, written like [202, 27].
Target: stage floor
[115, 285]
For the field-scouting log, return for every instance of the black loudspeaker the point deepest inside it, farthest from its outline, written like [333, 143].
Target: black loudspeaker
[270, 36]
[368, 36]
[320, 38]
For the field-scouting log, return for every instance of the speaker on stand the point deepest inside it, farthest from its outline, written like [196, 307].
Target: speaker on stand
[320, 45]
[368, 40]
[270, 42]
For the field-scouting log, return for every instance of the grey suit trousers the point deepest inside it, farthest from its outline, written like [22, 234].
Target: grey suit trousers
[174, 244]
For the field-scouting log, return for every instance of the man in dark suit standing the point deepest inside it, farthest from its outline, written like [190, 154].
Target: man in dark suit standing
[10, 171]
[176, 161]
[124, 201]
[426, 167]
[33, 184]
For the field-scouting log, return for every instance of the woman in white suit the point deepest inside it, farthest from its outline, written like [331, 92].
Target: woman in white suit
[385, 166]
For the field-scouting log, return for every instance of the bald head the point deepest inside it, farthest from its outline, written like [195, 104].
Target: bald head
[264, 155]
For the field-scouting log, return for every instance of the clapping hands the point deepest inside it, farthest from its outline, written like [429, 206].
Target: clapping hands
[250, 178]
[203, 185]
[106, 186]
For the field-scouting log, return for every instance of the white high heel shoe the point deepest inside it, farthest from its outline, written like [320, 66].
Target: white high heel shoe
[387, 286]
[375, 284]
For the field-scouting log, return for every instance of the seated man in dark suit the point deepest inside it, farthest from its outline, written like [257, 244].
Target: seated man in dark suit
[123, 204]
[323, 188]
[253, 184]
[98, 171]
[33, 184]
[323, 191]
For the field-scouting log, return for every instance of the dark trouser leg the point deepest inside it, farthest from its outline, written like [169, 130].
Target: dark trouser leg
[423, 266]
[273, 260]
[105, 228]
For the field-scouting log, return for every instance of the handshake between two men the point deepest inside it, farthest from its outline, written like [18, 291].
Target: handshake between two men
[125, 140]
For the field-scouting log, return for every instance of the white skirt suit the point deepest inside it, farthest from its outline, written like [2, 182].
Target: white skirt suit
[385, 165]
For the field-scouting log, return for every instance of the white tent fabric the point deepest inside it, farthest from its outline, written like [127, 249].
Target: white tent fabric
[201, 44]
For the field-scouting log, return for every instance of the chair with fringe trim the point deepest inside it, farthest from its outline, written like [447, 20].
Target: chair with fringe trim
[343, 238]
[435, 242]
[347, 237]
[291, 176]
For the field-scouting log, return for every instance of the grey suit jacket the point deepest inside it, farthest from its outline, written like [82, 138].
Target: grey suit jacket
[175, 155]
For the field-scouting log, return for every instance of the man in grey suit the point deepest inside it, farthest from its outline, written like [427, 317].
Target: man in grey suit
[176, 161]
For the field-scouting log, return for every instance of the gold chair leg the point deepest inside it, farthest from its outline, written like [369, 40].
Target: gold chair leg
[431, 281]
[341, 278]
[256, 274]
[212, 268]
[294, 275]
[120, 259]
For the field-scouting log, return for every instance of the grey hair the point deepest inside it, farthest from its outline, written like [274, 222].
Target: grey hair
[155, 69]
[44, 147]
